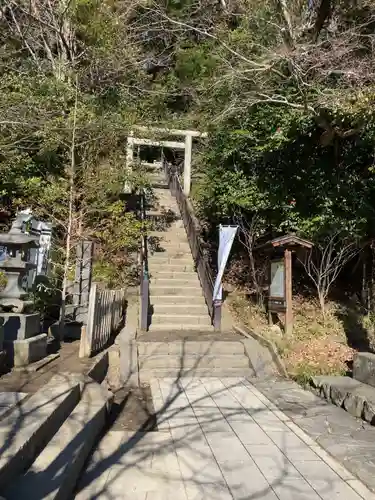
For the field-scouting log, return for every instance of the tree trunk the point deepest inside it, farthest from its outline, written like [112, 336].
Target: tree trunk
[324, 11]
[322, 303]
[288, 27]
[72, 170]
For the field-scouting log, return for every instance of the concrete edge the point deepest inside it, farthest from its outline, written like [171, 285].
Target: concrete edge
[99, 368]
[88, 385]
[126, 341]
[37, 365]
[267, 344]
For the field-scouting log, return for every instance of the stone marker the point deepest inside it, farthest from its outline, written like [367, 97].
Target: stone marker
[30, 350]
[21, 327]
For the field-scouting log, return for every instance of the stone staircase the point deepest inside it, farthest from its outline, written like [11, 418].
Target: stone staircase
[46, 437]
[176, 297]
[181, 340]
[192, 355]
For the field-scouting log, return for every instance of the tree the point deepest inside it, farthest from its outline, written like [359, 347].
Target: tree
[324, 263]
[249, 233]
[64, 118]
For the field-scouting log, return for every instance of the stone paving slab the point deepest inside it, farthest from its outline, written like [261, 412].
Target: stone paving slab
[349, 440]
[218, 438]
[8, 400]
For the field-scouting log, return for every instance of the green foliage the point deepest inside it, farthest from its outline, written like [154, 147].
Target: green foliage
[291, 129]
[274, 164]
[47, 103]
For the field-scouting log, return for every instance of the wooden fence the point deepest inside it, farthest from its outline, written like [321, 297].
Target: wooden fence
[105, 313]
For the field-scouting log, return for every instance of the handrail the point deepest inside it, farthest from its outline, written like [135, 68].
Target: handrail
[193, 233]
[144, 285]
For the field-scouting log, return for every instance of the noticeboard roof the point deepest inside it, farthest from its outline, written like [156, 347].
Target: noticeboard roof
[286, 241]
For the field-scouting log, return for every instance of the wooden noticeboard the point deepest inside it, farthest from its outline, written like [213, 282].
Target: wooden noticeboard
[277, 282]
[276, 299]
[280, 276]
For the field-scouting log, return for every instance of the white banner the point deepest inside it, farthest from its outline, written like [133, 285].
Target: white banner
[226, 238]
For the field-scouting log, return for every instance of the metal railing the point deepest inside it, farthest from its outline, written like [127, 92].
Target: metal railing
[145, 279]
[192, 228]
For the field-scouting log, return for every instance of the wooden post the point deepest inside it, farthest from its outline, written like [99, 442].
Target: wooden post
[217, 315]
[288, 292]
[86, 342]
[187, 164]
[82, 283]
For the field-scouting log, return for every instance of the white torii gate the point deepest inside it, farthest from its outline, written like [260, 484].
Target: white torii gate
[187, 145]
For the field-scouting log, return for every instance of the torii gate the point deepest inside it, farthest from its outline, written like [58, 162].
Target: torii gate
[187, 145]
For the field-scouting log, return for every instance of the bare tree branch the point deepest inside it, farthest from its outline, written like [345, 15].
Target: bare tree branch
[324, 263]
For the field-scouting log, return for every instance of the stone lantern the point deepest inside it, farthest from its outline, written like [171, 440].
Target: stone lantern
[21, 324]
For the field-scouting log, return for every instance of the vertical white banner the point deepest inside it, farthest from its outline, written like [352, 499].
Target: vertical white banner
[226, 238]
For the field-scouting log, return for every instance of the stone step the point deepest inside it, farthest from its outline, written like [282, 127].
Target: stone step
[183, 291]
[174, 246]
[26, 429]
[170, 250]
[189, 280]
[157, 214]
[178, 258]
[179, 309]
[158, 176]
[146, 375]
[165, 210]
[161, 225]
[175, 275]
[170, 236]
[158, 182]
[172, 241]
[169, 232]
[188, 361]
[152, 165]
[171, 269]
[166, 199]
[166, 206]
[178, 224]
[171, 224]
[164, 194]
[179, 347]
[56, 470]
[181, 319]
[157, 327]
[170, 203]
[186, 300]
[9, 400]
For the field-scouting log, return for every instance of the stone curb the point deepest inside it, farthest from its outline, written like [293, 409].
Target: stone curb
[355, 397]
[98, 370]
[267, 344]
[127, 344]
[37, 365]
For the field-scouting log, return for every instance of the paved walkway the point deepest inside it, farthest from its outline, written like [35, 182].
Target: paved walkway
[216, 439]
